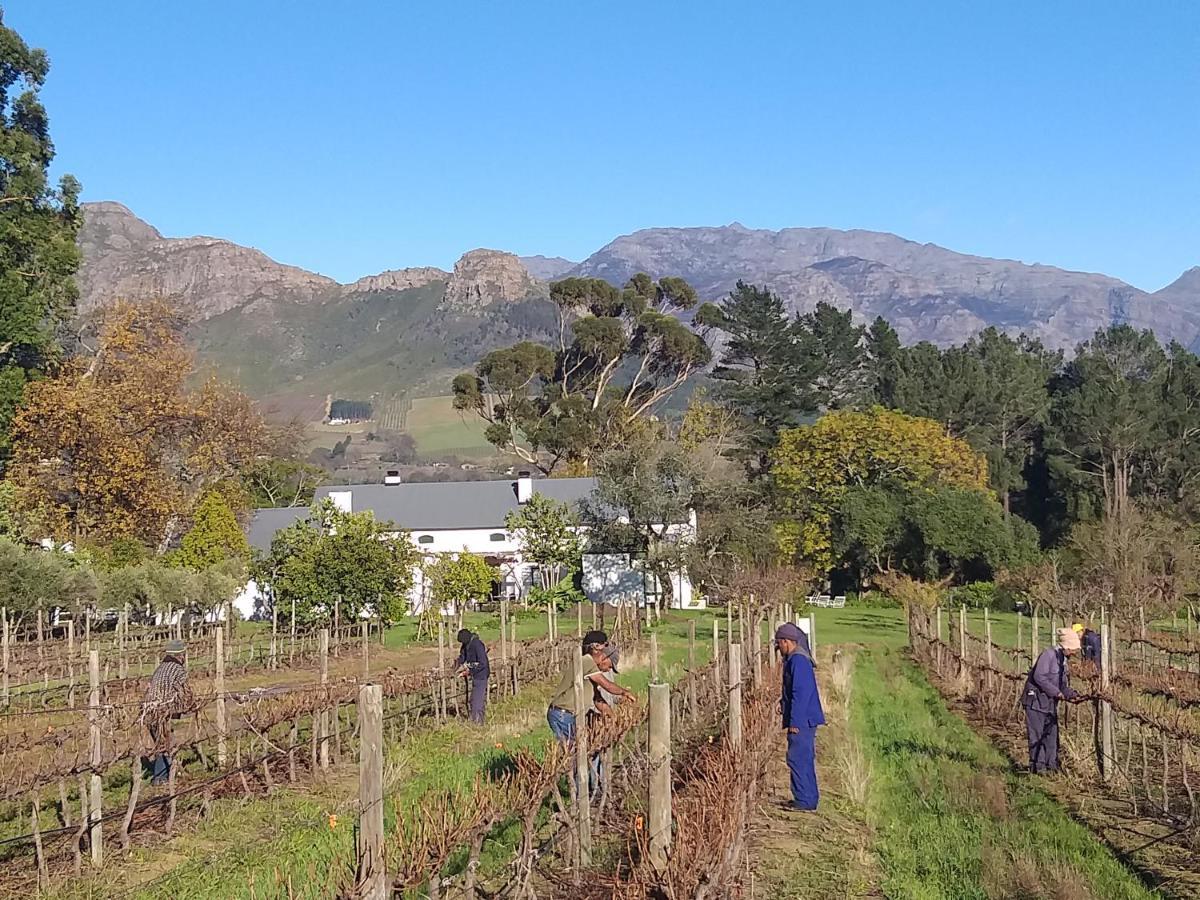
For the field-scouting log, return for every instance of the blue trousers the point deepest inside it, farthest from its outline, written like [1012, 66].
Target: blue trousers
[562, 726]
[802, 761]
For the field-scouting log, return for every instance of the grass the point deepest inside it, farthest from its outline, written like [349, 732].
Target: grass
[283, 846]
[436, 426]
[915, 805]
[953, 819]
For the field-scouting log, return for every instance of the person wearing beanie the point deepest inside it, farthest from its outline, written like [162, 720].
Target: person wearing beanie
[168, 696]
[472, 663]
[1048, 683]
[802, 714]
[1090, 642]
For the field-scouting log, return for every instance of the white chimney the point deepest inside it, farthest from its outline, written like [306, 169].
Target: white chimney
[524, 487]
[343, 500]
[392, 477]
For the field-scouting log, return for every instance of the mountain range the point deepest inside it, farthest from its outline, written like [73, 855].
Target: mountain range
[288, 334]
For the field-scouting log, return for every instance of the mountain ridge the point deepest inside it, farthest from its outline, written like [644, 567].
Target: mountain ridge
[244, 304]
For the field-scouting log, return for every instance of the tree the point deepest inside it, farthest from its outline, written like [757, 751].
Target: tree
[38, 228]
[548, 532]
[642, 505]
[214, 537]
[626, 355]
[119, 443]
[1139, 559]
[815, 465]
[1107, 413]
[766, 373]
[456, 579]
[333, 556]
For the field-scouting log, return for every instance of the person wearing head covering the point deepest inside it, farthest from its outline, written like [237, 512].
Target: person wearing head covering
[1090, 642]
[602, 700]
[167, 697]
[472, 663]
[561, 713]
[802, 714]
[1047, 683]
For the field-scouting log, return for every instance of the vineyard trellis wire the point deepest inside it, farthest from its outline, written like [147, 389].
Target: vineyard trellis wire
[277, 735]
[1135, 734]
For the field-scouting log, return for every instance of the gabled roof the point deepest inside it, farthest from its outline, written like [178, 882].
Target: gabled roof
[434, 506]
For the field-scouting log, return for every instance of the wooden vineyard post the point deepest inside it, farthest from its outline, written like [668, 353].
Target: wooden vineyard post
[550, 622]
[1142, 635]
[292, 647]
[71, 663]
[4, 655]
[503, 643]
[274, 633]
[691, 669]
[812, 634]
[579, 621]
[1033, 641]
[222, 724]
[735, 696]
[371, 878]
[593, 617]
[1107, 762]
[337, 626]
[441, 694]
[1020, 639]
[660, 775]
[716, 652]
[653, 657]
[756, 647]
[938, 643]
[963, 674]
[321, 722]
[987, 636]
[96, 759]
[582, 768]
[366, 638]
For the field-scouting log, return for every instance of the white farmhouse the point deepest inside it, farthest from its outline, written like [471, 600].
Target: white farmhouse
[450, 517]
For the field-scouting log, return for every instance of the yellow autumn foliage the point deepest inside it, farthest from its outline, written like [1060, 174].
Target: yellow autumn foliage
[119, 442]
[814, 465]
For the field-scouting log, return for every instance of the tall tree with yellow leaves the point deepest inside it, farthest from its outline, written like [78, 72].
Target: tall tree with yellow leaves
[815, 465]
[120, 443]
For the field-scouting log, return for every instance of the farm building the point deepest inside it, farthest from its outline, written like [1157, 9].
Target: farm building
[455, 516]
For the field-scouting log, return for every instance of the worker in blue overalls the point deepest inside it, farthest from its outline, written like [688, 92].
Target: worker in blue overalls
[802, 714]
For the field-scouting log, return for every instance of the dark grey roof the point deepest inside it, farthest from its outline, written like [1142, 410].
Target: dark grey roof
[266, 522]
[432, 506]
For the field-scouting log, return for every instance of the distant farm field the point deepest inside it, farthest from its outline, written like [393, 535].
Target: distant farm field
[438, 427]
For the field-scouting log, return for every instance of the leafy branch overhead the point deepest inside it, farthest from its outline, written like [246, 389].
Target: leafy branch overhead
[620, 354]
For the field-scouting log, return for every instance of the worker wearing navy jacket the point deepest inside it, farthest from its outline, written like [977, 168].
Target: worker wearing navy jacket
[472, 663]
[802, 713]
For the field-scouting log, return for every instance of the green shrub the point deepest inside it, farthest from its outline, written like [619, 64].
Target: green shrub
[872, 600]
[977, 595]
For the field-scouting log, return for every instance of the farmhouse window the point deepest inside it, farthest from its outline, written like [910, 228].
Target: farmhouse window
[425, 539]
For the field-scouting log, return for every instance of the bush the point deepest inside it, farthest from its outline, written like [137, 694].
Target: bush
[977, 595]
[873, 600]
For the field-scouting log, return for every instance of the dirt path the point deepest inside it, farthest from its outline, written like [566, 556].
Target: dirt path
[828, 853]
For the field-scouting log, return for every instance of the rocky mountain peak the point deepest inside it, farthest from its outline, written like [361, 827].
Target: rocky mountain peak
[396, 280]
[547, 268]
[112, 227]
[1186, 285]
[125, 257]
[483, 277]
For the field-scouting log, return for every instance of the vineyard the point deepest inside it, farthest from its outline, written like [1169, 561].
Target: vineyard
[1130, 747]
[73, 748]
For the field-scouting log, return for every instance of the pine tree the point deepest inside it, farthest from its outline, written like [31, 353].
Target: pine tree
[38, 227]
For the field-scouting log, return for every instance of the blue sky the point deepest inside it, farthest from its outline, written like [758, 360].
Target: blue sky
[353, 137]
